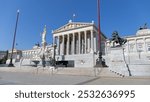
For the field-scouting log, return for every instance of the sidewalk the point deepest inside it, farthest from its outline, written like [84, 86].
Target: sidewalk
[65, 76]
[98, 72]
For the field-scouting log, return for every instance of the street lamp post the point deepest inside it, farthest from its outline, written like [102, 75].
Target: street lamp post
[11, 64]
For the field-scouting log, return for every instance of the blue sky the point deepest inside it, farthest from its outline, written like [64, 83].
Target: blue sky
[125, 16]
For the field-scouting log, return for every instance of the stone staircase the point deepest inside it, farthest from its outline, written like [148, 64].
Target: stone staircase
[98, 72]
[102, 72]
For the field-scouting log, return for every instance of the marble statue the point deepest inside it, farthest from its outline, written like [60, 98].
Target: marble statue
[44, 35]
[42, 55]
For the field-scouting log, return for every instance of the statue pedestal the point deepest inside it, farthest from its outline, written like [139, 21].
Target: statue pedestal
[117, 62]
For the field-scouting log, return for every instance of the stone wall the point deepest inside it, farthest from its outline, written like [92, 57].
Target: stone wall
[117, 61]
[80, 61]
[122, 62]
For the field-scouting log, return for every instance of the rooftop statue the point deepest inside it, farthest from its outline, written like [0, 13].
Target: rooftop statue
[116, 39]
[144, 27]
[37, 44]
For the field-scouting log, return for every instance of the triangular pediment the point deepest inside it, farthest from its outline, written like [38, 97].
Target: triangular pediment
[72, 25]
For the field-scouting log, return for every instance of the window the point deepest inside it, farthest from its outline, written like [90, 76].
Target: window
[148, 46]
[140, 47]
[131, 47]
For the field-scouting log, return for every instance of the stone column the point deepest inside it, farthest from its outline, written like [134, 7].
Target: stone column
[95, 41]
[73, 45]
[135, 45]
[63, 37]
[79, 35]
[128, 46]
[89, 43]
[82, 43]
[53, 40]
[57, 44]
[97, 47]
[92, 46]
[145, 50]
[77, 44]
[68, 44]
[128, 50]
[85, 39]
[60, 45]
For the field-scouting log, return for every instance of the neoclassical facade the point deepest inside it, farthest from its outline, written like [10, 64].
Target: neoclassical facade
[137, 46]
[76, 46]
[140, 42]
[136, 53]
[77, 43]
[35, 54]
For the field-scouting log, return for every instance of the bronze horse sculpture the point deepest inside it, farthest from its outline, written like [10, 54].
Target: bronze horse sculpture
[116, 39]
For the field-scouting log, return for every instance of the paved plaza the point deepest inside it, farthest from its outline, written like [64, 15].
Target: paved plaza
[40, 76]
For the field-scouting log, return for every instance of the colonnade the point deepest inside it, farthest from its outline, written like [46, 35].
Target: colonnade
[76, 43]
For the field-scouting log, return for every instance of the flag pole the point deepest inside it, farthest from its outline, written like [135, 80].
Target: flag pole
[73, 17]
[99, 29]
[99, 61]
[11, 64]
